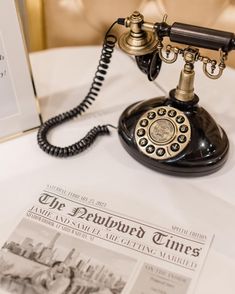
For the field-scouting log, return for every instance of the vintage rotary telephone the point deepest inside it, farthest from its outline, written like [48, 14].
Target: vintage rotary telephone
[171, 134]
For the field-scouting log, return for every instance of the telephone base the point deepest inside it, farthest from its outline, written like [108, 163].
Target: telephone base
[207, 148]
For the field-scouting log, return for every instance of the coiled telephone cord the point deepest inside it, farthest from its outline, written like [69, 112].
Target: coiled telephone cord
[78, 147]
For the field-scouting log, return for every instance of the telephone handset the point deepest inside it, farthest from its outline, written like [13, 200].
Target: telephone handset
[171, 134]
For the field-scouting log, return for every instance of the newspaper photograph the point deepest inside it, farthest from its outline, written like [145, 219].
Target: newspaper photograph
[70, 243]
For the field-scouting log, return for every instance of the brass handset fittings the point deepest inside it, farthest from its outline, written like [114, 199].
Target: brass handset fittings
[144, 38]
[191, 58]
[138, 41]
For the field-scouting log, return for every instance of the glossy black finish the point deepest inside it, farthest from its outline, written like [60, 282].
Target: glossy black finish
[201, 37]
[150, 64]
[206, 152]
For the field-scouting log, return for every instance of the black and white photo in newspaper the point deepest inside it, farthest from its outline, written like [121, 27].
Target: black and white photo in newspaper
[70, 243]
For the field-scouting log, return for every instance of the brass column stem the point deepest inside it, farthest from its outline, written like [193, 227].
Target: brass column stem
[185, 89]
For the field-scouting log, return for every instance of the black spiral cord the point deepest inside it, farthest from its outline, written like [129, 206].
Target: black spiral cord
[78, 147]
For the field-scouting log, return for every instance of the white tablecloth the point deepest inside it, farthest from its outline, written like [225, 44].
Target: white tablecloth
[62, 78]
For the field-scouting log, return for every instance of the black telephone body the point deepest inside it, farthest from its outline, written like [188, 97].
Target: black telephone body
[172, 137]
[173, 134]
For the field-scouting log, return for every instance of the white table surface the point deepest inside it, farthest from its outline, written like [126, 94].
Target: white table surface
[62, 78]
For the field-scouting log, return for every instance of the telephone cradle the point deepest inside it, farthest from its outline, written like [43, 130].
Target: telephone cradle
[173, 134]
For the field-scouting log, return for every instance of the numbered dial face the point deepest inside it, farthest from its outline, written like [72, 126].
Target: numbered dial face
[163, 132]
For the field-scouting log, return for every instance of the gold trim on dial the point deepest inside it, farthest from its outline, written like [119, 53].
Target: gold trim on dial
[162, 132]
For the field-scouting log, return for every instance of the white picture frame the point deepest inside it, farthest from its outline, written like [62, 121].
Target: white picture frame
[19, 110]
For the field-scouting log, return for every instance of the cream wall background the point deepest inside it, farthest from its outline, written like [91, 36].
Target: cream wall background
[55, 23]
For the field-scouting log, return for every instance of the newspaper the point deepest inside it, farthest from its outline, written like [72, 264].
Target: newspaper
[70, 243]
